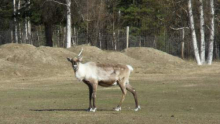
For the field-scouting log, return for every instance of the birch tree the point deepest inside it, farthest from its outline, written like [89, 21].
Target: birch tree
[202, 32]
[19, 24]
[212, 33]
[15, 21]
[29, 22]
[194, 39]
[68, 24]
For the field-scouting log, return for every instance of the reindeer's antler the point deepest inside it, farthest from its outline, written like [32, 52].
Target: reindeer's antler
[80, 52]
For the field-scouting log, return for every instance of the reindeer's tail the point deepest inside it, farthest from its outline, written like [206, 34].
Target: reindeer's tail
[130, 68]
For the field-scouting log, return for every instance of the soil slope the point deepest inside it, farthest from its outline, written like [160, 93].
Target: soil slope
[23, 60]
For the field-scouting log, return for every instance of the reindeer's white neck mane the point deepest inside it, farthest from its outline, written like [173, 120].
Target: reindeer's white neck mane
[80, 73]
[86, 72]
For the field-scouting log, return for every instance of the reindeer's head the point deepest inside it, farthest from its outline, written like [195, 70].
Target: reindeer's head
[75, 61]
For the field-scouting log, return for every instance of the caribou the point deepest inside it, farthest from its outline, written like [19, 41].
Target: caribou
[106, 75]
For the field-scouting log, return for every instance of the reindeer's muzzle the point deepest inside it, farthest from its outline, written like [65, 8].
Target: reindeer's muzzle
[75, 67]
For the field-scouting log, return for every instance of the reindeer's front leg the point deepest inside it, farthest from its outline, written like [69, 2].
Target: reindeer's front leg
[90, 94]
[92, 84]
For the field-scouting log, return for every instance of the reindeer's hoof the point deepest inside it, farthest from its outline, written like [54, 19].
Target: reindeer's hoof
[118, 109]
[138, 108]
[91, 109]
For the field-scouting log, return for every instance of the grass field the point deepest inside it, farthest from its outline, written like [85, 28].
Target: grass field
[37, 86]
[170, 99]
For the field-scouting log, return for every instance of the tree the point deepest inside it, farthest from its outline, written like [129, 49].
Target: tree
[68, 24]
[202, 32]
[15, 21]
[52, 9]
[145, 17]
[212, 33]
[48, 12]
[194, 39]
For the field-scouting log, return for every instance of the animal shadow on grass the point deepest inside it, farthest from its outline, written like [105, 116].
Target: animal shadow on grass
[42, 110]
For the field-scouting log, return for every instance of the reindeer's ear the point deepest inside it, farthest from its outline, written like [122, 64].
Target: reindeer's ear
[70, 59]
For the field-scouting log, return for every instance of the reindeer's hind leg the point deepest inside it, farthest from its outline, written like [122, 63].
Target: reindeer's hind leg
[133, 91]
[94, 88]
[124, 92]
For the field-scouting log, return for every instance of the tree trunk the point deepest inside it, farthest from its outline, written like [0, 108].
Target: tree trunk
[216, 50]
[127, 37]
[155, 42]
[100, 41]
[114, 44]
[139, 41]
[64, 36]
[74, 35]
[87, 23]
[202, 32]
[19, 33]
[29, 30]
[193, 33]
[68, 24]
[114, 41]
[15, 22]
[12, 36]
[25, 30]
[29, 24]
[48, 34]
[60, 36]
[183, 43]
[38, 37]
[19, 24]
[212, 33]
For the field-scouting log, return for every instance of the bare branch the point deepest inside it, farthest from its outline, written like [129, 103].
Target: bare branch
[179, 28]
[79, 10]
[217, 19]
[56, 2]
[185, 10]
[208, 27]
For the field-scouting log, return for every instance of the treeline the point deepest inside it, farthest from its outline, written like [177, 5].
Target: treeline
[164, 24]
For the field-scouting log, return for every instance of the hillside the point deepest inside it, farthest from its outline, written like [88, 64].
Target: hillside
[23, 60]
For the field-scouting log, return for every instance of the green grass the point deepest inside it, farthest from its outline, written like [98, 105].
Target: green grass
[164, 99]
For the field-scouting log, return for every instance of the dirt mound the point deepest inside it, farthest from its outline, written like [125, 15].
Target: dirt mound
[156, 61]
[91, 53]
[9, 69]
[33, 56]
[151, 55]
[27, 60]
[17, 60]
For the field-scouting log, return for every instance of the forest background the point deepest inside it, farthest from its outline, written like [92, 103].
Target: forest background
[161, 24]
